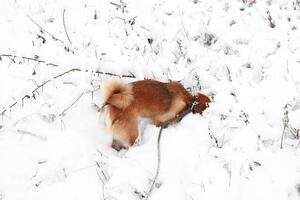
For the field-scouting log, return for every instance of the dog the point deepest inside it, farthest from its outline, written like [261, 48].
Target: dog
[124, 104]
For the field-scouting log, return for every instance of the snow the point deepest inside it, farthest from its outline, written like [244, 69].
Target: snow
[244, 54]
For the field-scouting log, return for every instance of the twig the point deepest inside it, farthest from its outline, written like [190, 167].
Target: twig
[44, 30]
[130, 75]
[214, 138]
[117, 5]
[116, 75]
[65, 110]
[55, 77]
[23, 118]
[229, 74]
[101, 175]
[102, 181]
[65, 26]
[27, 58]
[285, 121]
[24, 132]
[270, 19]
[183, 27]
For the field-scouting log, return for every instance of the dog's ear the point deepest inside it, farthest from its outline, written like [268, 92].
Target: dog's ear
[202, 103]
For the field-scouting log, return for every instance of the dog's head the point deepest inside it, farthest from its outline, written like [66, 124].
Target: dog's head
[201, 103]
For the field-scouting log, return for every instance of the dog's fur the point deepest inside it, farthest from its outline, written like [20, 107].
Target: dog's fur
[125, 103]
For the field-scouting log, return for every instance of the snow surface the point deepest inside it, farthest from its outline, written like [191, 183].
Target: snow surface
[244, 54]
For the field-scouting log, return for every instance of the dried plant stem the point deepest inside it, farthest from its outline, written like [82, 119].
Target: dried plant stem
[44, 30]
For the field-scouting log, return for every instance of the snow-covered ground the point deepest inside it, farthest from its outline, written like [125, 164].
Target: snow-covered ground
[244, 54]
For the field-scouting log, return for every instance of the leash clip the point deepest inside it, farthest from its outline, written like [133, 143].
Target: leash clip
[195, 103]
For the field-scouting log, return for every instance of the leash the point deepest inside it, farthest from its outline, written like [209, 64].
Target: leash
[157, 165]
[177, 119]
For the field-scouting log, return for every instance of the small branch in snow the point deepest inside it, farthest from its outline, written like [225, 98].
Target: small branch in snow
[55, 77]
[66, 109]
[275, 50]
[183, 26]
[24, 132]
[101, 175]
[213, 137]
[33, 92]
[245, 117]
[270, 20]
[23, 118]
[117, 5]
[50, 34]
[249, 3]
[229, 74]
[44, 30]
[285, 121]
[298, 130]
[35, 59]
[287, 128]
[64, 23]
[37, 168]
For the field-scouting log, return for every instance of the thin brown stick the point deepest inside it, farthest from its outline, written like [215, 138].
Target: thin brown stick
[285, 122]
[66, 109]
[64, 23]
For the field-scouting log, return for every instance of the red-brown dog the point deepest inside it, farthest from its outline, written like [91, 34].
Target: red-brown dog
[125, 103]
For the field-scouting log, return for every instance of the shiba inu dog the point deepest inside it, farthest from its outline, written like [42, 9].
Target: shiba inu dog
[125, 103]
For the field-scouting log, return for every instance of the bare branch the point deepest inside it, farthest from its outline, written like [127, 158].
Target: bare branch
[131, 75]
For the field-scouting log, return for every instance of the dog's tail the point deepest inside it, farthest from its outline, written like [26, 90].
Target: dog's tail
[118, 94]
